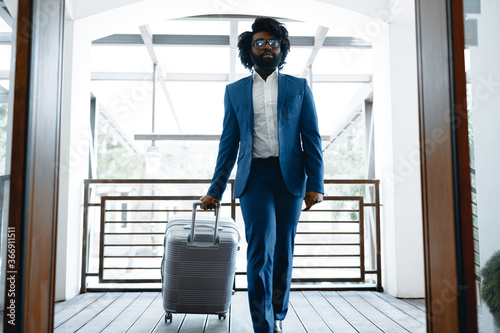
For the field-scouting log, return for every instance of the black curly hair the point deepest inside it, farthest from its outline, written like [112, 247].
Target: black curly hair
[271, 26]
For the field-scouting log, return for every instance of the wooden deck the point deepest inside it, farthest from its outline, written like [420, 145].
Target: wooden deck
[309, 311]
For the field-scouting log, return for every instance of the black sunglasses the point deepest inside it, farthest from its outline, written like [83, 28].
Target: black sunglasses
[261, 43]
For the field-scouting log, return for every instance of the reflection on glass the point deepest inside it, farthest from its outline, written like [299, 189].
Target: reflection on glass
[483, 97]
[7, 53]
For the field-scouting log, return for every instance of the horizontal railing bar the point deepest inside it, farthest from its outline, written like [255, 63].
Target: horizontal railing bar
[295, 267]
[305, 280]
[326, 244]
[326, 267]
[131, 281]
[371, 272]
[298, 233]
[333, 210]
[328, 222]
[316, 279]
[149, 197]
[148, 181]
[342, 198]
[208, 181]
[96, 204]
[122, 289]
[130, 267]
[125, 256]
[133, 244]
[325, 255]
[353, 181]
[150, 210]
[327, 233]
[146, 221]
[140, 221]
[305, 286]
[134, 233]
[296, 280]
[298, 286]
[228, 204]
[92, 274]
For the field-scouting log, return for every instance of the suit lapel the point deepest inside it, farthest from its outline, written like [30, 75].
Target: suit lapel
[282, 85]
[249, 102]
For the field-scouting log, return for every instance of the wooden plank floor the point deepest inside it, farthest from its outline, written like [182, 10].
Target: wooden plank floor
[309, 311]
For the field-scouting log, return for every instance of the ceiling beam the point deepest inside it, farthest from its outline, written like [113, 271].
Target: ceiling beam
[5, 15]
[218, 77]
[190, 137]
[223, 40]
[319, 40]
[148, 40]
[226, 17]
[5, 37]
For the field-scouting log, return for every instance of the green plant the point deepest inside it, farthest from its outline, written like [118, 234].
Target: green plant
[490, 288]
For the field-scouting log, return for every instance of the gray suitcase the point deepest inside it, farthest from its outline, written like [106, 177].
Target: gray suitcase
[198, 264]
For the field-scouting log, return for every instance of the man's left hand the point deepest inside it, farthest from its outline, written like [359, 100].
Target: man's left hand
[311, 198]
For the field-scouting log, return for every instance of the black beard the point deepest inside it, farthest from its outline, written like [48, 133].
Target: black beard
[260, 62]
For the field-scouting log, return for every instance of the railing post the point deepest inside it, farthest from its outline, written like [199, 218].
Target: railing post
[377, 226]
[85, 240]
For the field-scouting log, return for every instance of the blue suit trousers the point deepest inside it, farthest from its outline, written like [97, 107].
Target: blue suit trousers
[271, 214]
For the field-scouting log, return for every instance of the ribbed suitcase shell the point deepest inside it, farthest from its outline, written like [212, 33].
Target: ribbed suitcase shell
[198, 277]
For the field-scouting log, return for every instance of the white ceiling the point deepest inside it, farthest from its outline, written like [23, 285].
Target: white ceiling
[344, 15]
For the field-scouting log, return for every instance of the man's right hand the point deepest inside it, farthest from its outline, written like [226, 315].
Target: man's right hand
[208, 202]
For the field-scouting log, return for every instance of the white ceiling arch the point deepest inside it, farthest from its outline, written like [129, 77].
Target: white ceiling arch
[102, 18]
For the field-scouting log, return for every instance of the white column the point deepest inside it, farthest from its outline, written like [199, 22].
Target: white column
[485, 80]
[395, 104]
[75, 140]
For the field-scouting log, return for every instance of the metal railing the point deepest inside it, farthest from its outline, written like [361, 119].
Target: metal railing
[337, 242]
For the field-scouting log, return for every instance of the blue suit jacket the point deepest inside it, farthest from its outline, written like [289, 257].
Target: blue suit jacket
[300, 151]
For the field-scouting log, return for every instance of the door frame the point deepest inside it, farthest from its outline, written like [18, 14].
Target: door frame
[34, 174]
[450, 282]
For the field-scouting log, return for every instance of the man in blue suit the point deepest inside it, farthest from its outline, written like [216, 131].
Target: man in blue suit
[271, 127]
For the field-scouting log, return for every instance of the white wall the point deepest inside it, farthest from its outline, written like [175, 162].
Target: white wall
[75, 134]
[485, 80]
[395, 105]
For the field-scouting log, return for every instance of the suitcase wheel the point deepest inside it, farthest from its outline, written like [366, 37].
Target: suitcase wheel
[168, 317]
[222, 316]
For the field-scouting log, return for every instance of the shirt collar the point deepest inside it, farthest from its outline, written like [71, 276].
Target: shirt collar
[271, 76]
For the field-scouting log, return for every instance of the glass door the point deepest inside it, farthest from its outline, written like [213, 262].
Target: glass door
[483, 97]
[8, 15]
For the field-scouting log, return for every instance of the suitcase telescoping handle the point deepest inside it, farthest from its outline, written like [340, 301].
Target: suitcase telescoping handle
[195, 205]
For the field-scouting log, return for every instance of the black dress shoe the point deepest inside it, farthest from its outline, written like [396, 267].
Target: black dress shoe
[278, 328]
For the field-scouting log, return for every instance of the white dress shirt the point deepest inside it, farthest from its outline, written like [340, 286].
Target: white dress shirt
[265, 115]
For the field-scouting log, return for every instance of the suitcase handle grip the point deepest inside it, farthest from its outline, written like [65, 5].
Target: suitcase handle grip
[217, 207]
